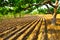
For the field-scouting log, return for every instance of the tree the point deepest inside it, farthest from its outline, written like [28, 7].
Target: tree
[50, 2]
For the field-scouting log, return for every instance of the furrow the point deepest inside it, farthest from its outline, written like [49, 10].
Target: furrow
[18, 31]
[33, 35]
[27, 32]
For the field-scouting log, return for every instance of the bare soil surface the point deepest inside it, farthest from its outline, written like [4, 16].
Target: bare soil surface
[30, 28]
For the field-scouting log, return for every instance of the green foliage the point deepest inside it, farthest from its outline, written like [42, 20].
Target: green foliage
[12, 7]
[58, 11]
[42, 10]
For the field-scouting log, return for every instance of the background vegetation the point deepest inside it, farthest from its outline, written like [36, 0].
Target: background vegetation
[15, 8]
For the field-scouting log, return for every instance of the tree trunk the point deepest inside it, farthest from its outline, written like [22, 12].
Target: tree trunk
[54, 17]
[55, 14]
[20, 15]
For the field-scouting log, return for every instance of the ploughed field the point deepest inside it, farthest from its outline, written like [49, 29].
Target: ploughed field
[29, 28]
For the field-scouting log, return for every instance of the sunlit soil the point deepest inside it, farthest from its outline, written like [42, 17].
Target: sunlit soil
[53, 31]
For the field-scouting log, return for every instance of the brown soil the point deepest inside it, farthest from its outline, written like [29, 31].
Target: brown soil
[53, 31]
